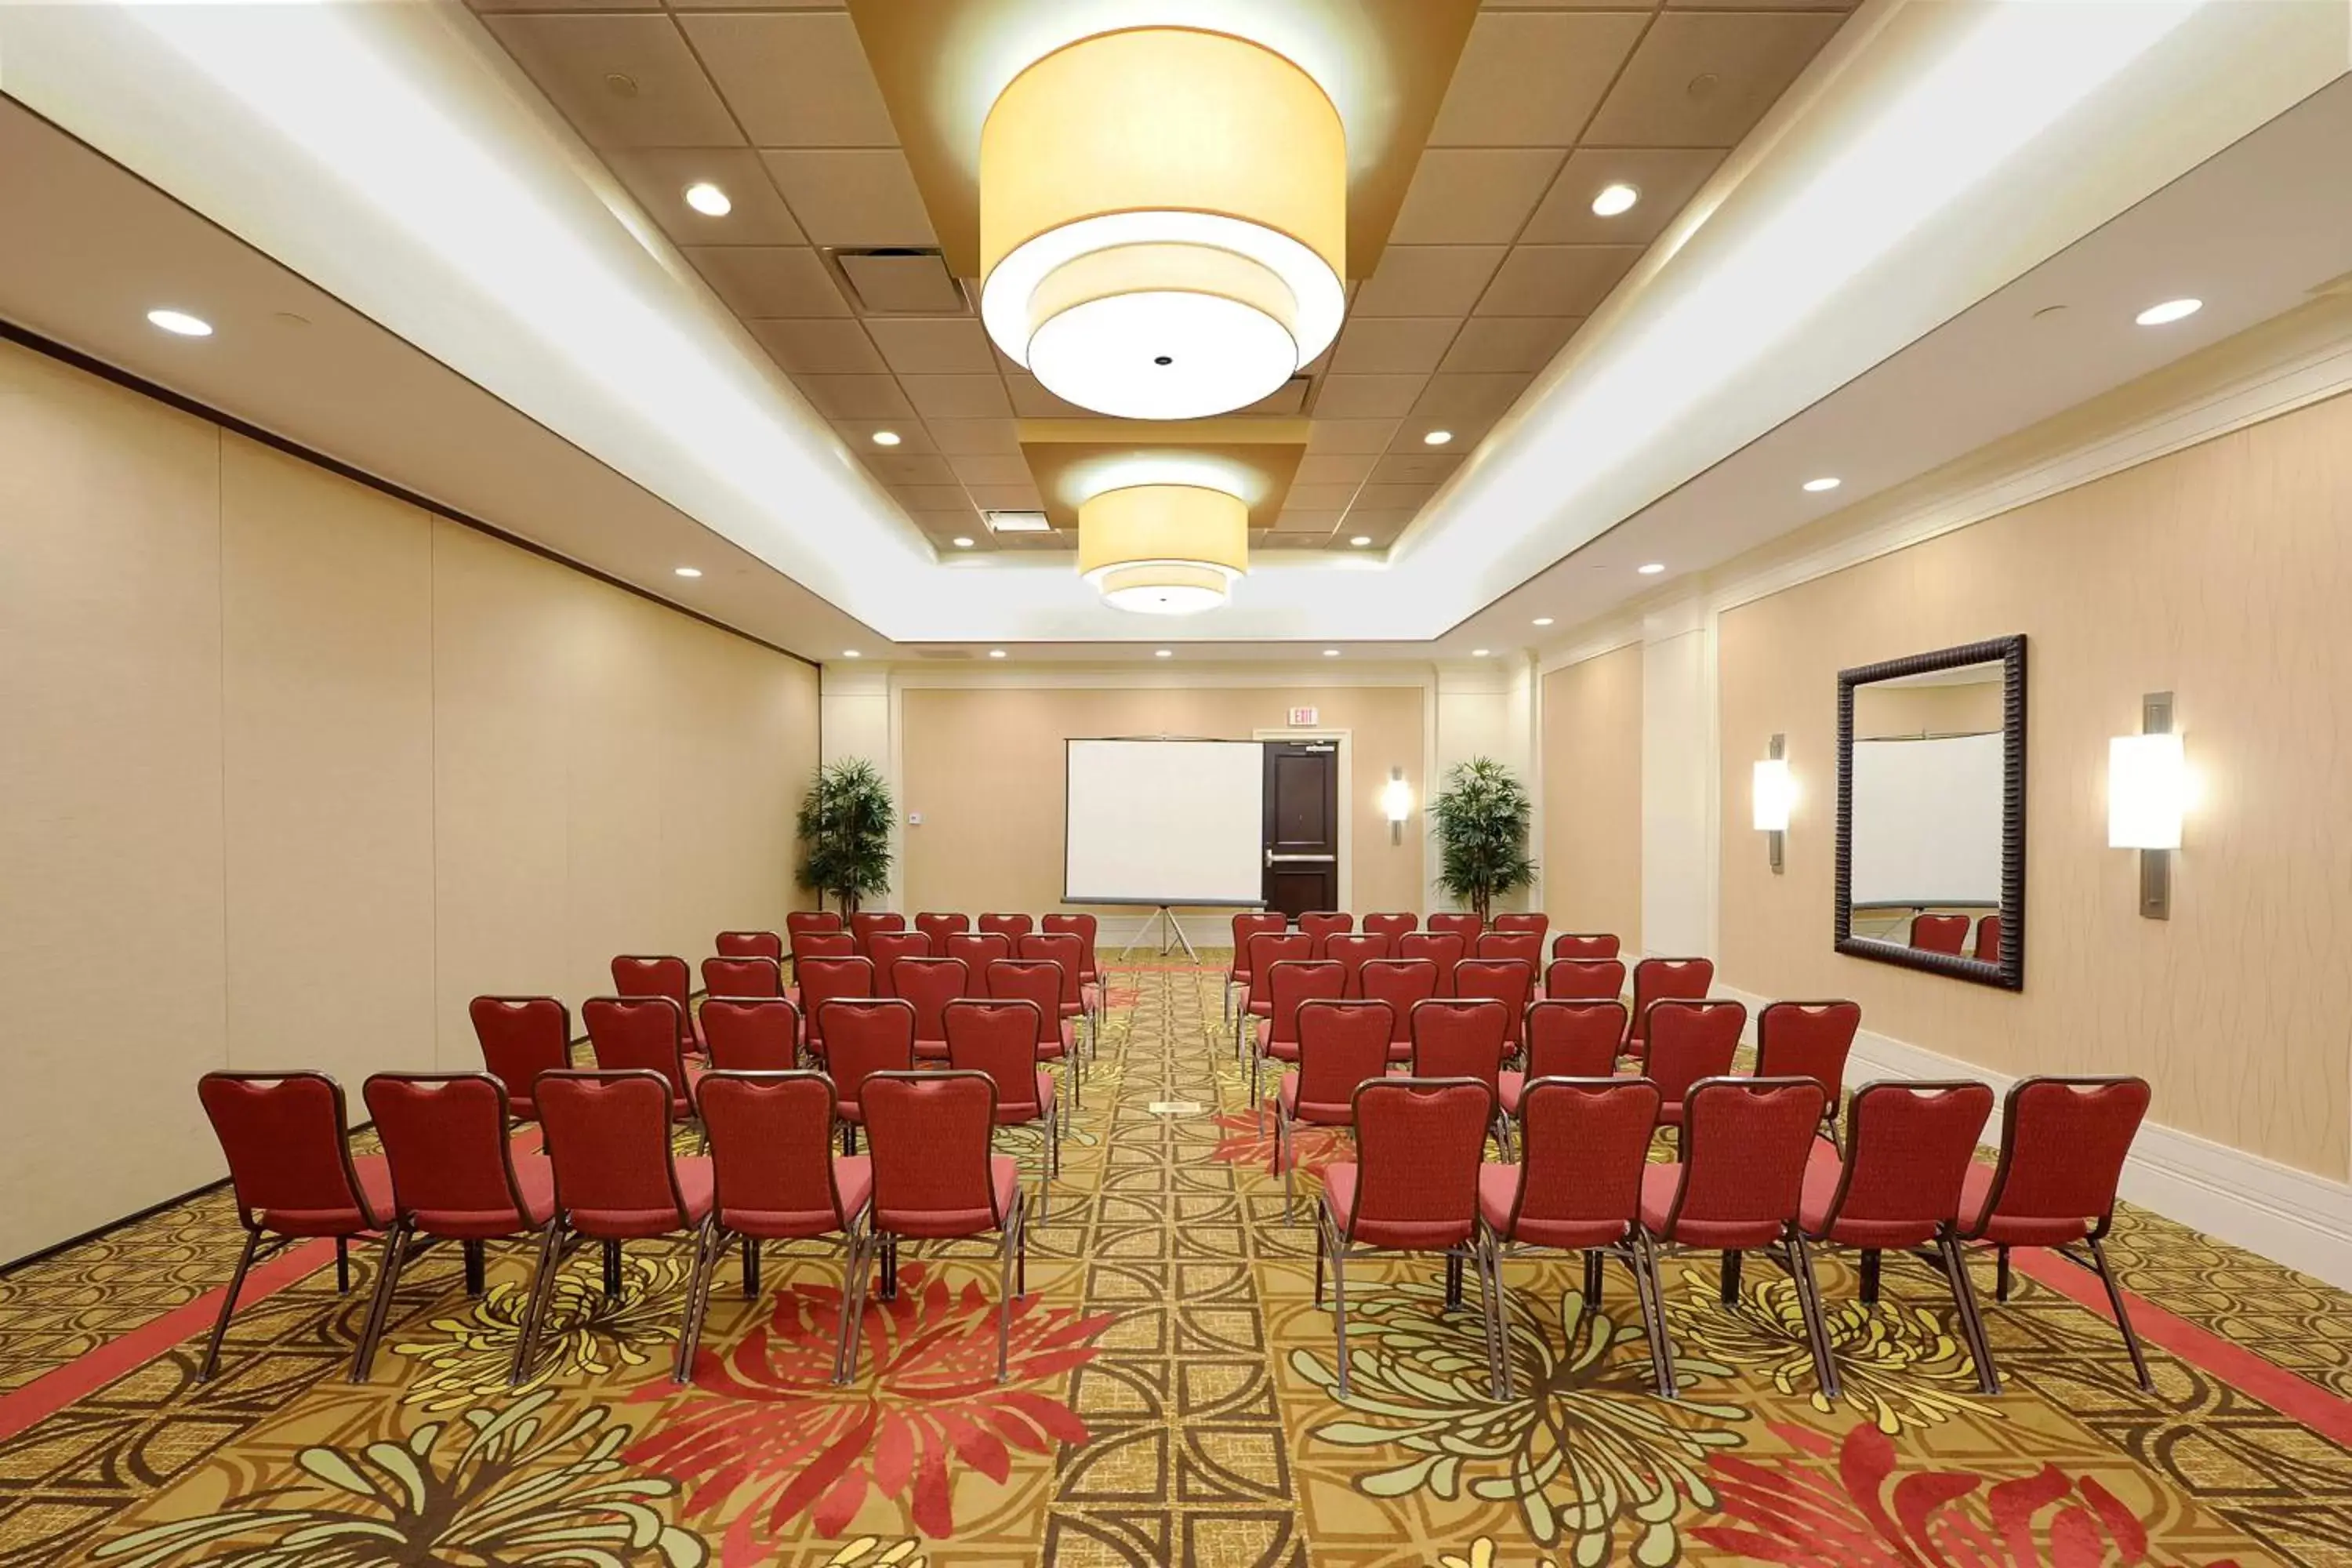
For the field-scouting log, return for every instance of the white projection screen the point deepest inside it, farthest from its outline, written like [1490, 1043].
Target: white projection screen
[1927, 821]
[1164, 822]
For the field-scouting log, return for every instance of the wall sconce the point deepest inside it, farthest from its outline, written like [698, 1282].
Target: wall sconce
[1396, 799]
[1772, 793]
[2147, 788]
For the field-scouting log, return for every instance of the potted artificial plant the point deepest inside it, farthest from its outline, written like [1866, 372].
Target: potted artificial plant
[1482, 834]
[845, 828]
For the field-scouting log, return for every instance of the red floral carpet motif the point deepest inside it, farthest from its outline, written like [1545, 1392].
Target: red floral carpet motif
[1244, 1143]
[765, 1424]
[1799, 1513]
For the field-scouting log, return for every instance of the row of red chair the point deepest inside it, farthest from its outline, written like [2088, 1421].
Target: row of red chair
[1949, 934]
[1522, 935]
[1580, 965]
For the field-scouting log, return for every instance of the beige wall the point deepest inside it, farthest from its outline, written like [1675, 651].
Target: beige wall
[2220, 574]
[1592, 849]
[984, 766]
[295, 769]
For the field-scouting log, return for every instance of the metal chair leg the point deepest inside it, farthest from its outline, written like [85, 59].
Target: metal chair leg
[1498, 1343]
[1339, 1306]
[229, 1305]
[1652, 1292]
[612, 1271]
[2123, 1316]
[395, 1249]
[707, 1247]
[857, 1256]
[1730, 1293]
[477, 1267]
[1592, 1280]
[1809, 1298]
[343, 1266]
[1487, 1287]
[1870, 1277]
[1005, 1292]
[2001, 1279]
[751, 1267]
[1964, 1302]
[543, 1291]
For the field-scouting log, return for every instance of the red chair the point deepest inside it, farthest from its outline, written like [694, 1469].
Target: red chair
[1469, 1037]
[749, 944]
[1739, 1187]
[642, 976]
[1246, 926]
[1526, 946]
[939, 927]
[1391, 926]
[1341, 1045]
[774, 1177]
[812, 921]
[1265, 949]
[1040, 981]
[884, 949]
[1584, 944]
[1584, 1145]
[1524, 921]
[1566, 1039]
[641, 1032]
[877, 1035]
[1353, 951]
[1011, 927]
[742, 977]
[1444, 949]
[615, 1179]
[455, 1176]
[1068, 949]
[1584, 980]
[821, 944]
[1987, 949]
[1412, 1187]
[1510, 981]
[1086, 928]
[1460, 922]
[825, 980]
[287, 1139]
[1289, 983]
[1899, 1187]
[1664, 980]
[1691, 1042]
[1809, 1039]
[2063, 1141]
[1324, 924]
[521, 1037]
[752, 1034]
[929, 984]
[999, 1041]
[1939, 933]
[865, 923]
[1403, 984]
[937, 1175]
[977, 950]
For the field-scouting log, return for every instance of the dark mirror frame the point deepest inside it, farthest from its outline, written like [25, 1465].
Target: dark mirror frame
[2009, 973]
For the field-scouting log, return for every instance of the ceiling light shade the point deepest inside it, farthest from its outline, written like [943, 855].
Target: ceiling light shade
[1163, 222]
[1163, 550]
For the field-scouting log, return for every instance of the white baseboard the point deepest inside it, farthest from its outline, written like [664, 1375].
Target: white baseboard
[2288, 1216]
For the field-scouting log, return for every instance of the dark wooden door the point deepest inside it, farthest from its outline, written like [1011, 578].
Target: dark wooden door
[1302, 825]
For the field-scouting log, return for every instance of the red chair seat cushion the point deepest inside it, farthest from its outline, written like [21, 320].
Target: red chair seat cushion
[1320, 1112]
[930, 1050]
[536, 1179]
[375, 1193]
[1498, 1190]
[853, 1177]
[1659, 1183]
[626, 1225]
[2010, 1230]
[1405, 1235]
[1090, 994]
[1003, 1174]
[1509, 1087]
[1823, 1171]
[1399, 1051]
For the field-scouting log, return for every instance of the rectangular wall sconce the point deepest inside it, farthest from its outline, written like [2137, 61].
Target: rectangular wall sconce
[1773, 791]
[2147, 790]
[1396, 799]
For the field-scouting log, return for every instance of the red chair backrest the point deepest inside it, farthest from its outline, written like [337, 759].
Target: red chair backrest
[930, 1135]
[749, 944]
[1690, 1041]
[2062, 1145]
[1939, 933]
[939, 927]
[1584, 944]
[1340, 1046]
[865, 923]
[751, 1034]
[1401, 983]
[1066, 949]
[445, 1138]
[521, 1037]
[1323, 924]
[1352, 951]
[1574, 1039]
[1525, 921]
[1007, 925]
[1391, 926]
[1661, 979]
[804, 922]
[1909, 1149]
[999, 1039]
[1249, 925]
[742, 977]
[1745, 1144]
[1527, 946]
[287, 1137]
[1037, 980]
[979, 950]
[1294, 981]
[608, 1139]
[1269, 948]
[1442, 948]
[1584, 979]
[825, 979]
[1461, 922]
[1808, 1039]
[1083, 927]
[772, 1151]
[1584, 1144]
[636, 975]
[1987, 944]
[638, 1033]
[1456, 1038]
[864, 1036]
[929, 984]
[1510, 981]
[811, 944]
[1418, 1143]
[885, 948]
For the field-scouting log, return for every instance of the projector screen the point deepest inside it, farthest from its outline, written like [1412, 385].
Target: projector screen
[1927, 821]
[1164, 822]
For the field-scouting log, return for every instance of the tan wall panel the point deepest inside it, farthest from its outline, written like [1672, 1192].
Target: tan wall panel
[1593, 795]
[985, 767]
[2220, 574]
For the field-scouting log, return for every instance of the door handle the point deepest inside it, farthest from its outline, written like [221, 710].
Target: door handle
[1274, 859]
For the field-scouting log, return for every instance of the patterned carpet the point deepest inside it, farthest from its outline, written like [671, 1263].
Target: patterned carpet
[1171, 1399]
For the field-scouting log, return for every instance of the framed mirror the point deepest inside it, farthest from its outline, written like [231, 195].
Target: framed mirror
[1931, 812]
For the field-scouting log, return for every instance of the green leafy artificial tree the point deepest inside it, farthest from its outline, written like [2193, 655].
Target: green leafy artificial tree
[1482, 834]
[845, 828]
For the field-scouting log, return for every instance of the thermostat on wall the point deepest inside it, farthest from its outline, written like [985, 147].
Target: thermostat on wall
[914, 819]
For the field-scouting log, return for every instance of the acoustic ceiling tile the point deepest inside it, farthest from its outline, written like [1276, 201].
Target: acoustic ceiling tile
[1532, 79]
[1366, 396]
[1393, 344]
[822, 345]
[1430, 468]
[1557, 280]
[943, 345]
[1468, 195]
[769, 279]
[856, 396]
[1666, 177]
[1523, 343]
[1482, 396]
[992, 468]
[971, 438]
[1704, 78]
[622, 81]
[852, 196]
[958, 397]
[1427, 280]
[659, 176]
[1327, 436]
[1332, 468]
[793, 78]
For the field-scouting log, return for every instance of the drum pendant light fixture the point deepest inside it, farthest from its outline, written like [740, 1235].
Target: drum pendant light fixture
[1163, 222]
[1164, 549]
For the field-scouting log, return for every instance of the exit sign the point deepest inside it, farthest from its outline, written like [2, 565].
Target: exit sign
[1304, 718]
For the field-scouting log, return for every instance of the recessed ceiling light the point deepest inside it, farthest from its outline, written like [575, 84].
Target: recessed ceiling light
[1651, 569]
[1330, 653]
[851, 653]
[1614, 199]
[181, 323]
[1360, 540]
[886, 437]
[996, 653]
[2170, 311]
[960, 542]
[1163, 653]
[1543, 620]
[1826, 482]
[1478, 652]
[1437, 437]
[689, 571]
[707, 199]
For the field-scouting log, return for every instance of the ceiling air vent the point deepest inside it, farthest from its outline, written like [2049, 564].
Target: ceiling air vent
[900, 280]
[943, 653]
[1016, 522]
